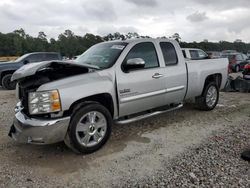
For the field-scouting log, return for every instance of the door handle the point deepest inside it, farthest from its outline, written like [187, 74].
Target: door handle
[157, 75]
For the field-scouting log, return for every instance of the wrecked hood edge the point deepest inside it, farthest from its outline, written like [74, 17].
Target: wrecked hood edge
[32, 68]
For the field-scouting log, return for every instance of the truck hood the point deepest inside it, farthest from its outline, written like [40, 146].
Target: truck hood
[49, 66]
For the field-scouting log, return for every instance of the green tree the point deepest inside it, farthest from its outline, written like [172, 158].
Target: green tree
[176, 36]
[69, 44]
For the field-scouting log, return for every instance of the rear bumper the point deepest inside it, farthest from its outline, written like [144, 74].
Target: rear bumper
[38, 131]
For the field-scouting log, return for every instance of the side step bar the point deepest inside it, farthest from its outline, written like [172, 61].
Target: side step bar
[134, 119]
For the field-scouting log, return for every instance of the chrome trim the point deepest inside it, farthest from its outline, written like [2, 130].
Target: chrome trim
[135, 61]
[141, 96]
[150, 94]
[138, 118]
[39, 130]
[32, 122]
[172, 89]
[157, 75]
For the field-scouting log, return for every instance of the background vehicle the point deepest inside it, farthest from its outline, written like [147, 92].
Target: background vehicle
[248, 54]
[8, 68]
[246, 72]
[116, 81]
[194, 54]
[214, 54]
[227, 52]
[237, 61]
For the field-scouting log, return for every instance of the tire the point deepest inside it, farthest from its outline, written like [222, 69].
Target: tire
[7, 83]
[237, 68]
[246, 155]
[209, 98]
[89, 128]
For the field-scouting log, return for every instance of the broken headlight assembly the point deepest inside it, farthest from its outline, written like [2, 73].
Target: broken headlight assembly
[43, 102]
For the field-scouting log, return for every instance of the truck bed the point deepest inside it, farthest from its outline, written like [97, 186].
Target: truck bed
[198, 70]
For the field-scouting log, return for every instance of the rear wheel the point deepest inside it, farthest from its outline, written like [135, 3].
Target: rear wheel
[89, 128]
[209, 98]
[7, 83]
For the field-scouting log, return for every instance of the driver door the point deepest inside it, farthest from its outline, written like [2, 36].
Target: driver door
[143, 88]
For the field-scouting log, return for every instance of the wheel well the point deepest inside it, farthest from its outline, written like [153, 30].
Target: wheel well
[104, 99]
[213, 78]
[5, 73]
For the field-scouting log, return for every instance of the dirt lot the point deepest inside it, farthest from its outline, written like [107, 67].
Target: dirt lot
[183, 148]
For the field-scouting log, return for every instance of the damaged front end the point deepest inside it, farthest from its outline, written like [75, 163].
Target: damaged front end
[30, 78]
[45, 128]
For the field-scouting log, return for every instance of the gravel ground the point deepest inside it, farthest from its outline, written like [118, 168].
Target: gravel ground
[216, 162]
[186, 148]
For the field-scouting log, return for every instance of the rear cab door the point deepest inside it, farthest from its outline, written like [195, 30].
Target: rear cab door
[175, 72]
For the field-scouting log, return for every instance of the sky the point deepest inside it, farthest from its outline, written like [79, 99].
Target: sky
[194, 20]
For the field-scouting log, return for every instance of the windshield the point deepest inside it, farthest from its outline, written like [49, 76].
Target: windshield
[21, 58]
[102, 56]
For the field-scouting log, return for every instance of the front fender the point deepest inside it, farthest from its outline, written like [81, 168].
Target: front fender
[70, 95]
[82, 86]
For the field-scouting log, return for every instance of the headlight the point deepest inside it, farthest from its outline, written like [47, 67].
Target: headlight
[44, 102]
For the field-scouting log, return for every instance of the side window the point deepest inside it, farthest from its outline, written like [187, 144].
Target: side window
[197, 54]
[169, 53]
[51, 57]
[145, 51]
[244, 57]
[202, 55]
[194, 54]
[239, 57]
[35, 58]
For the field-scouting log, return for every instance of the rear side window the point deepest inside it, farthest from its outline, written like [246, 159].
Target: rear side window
[169, 53]
[244, 57]
[239, 57]
[35, 58]
[145, 51]
[51, 57]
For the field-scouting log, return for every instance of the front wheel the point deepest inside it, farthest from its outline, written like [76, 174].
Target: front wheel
[89, 129]
[209, 98]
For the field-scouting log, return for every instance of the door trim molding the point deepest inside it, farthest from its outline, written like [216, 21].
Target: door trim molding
[172, 89]
[150, 94]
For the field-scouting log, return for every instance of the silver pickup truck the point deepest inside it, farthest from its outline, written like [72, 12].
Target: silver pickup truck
[112, 82]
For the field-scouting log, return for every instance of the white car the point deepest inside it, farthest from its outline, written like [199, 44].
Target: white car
[248, 54]
[194, 54]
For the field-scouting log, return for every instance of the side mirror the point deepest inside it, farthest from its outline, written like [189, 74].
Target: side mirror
[135, 63]
[25, 62]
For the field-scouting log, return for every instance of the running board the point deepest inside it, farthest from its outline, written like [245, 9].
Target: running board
[134, 119]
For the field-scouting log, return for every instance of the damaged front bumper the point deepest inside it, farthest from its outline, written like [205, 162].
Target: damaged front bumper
[38, 131]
